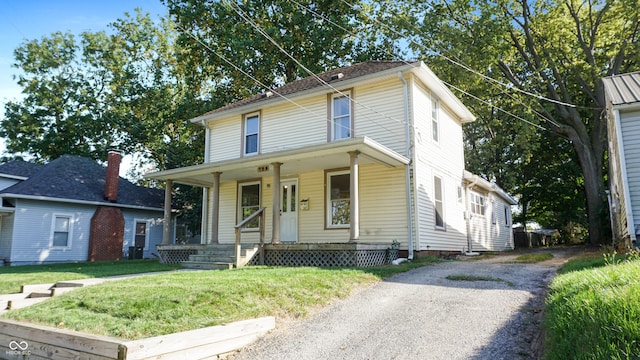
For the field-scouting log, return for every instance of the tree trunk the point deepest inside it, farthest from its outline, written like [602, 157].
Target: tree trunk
[593, 187]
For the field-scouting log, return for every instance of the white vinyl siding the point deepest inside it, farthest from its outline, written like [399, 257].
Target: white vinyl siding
[630, 127]
[444, 159]
[225, 139]
[490, 235]
[32, 240]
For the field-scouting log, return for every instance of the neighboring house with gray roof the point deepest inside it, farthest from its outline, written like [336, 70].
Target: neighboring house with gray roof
[623, 128]
[74, 209]
[367, 153]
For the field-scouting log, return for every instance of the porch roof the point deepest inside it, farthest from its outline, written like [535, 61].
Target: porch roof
[294, 161]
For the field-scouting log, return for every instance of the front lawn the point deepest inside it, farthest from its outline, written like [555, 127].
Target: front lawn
[12, 277]
[148, 306]
[593, 311]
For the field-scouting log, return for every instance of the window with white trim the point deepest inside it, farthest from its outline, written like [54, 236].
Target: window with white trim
[251, 134]
[435, 123]
[341, 121]
[141, 234]
[438, 202]
[507, 219]
[338, 204]
[249, 203]
[477, 203]
[61, 231]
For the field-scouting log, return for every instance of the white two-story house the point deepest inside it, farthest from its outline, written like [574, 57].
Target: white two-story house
[369, 153]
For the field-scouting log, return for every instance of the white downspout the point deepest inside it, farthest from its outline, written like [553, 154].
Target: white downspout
[468, 215]
[405, 89]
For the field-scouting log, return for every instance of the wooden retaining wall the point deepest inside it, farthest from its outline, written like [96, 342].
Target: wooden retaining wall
[20, 340]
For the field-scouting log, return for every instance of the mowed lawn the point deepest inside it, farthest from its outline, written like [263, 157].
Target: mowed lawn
[146, 306]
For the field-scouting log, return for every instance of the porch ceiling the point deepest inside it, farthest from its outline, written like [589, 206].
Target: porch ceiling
[295, 161]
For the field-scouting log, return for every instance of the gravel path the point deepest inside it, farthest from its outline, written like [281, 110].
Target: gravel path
[422, 315]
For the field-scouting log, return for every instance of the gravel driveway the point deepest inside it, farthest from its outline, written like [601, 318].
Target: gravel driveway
[422, 315]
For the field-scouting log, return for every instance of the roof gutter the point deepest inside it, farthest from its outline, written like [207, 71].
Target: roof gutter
[405, 90]
[83, 202]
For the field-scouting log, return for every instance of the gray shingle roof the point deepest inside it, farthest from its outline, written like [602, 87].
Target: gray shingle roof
[623, 89]
[19, 168]
[78, 178]
[310, 82]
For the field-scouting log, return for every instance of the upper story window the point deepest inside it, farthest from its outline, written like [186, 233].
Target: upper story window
[61, 231]
[477, 203]
[435, 123]
[251, 134]
[338, 203]
[341, 117]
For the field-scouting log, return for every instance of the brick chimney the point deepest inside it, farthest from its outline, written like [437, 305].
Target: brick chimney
[113, 176]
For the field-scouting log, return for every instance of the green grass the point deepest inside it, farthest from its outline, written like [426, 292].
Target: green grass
[12, 277]
[533, 258]
[594, 313]
[155, 305]
[463, 277]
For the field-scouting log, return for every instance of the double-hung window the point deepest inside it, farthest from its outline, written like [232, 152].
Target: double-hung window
[435, 130]
[61, 231]
[251, 134]
[338, 204]
[249, 203]
[439, 202]
[477, 204]
[341, 117]
[507, 221]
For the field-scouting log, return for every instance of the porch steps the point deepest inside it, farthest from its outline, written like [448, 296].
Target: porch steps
[219, 257]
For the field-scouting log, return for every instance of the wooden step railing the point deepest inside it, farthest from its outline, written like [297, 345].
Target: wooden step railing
[260, 213]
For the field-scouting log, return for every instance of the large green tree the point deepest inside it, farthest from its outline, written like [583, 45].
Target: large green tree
[548, 57]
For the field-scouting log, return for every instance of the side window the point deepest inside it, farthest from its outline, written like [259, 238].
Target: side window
[140, 236]
[338, 199]
[477, 204]
[439, 202]
[507, 220]
[248, 203]
[61, 231]
[251, 134]
[435, 123]
[341, 119]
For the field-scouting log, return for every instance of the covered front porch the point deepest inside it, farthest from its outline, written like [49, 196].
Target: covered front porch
[289, 181]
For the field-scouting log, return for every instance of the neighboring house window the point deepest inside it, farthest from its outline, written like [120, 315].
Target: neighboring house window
[435, 109]
[140, 238]
[439, 202]
[251, 134]
[341, 121]
[507, 221]
[61, 231]
[477, 204]
[248, 203]
[338, 199]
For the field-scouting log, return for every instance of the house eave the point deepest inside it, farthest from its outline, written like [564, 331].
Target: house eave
[74, 201]
[488, 186]
[294, 161]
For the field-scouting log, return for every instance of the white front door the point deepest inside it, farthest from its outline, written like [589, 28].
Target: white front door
[289, 211]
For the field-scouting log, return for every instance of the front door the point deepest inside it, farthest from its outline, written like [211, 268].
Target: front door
[289, 211]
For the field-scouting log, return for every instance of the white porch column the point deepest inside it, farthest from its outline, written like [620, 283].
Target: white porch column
[215, 213]
[275, 226]
[355, 199]
[166, 225]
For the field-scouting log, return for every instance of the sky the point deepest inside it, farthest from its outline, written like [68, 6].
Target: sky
[22, 20]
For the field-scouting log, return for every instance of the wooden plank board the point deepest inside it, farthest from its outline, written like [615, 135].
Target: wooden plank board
[166, 344]
[61, 338]
[42, 350]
